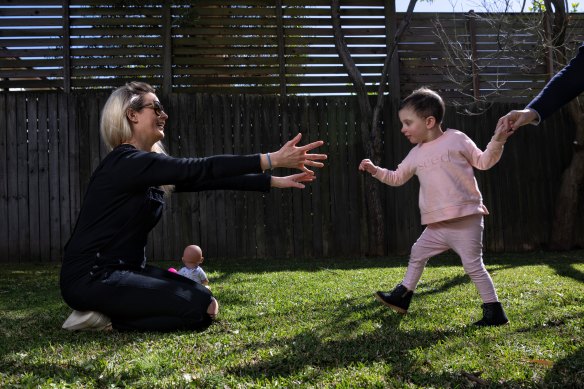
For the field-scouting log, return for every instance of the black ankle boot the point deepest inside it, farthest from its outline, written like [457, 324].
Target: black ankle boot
[398, 299]
[493, 315]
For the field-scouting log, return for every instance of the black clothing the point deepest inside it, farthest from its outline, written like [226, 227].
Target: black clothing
[562, 88]
[104, 266]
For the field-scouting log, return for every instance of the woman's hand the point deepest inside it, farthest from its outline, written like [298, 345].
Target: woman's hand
[517, 118]
[292, 156]
[293, 181]
[367, 166]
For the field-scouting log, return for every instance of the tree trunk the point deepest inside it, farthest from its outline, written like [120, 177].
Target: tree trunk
[570, 193]
[370, 122]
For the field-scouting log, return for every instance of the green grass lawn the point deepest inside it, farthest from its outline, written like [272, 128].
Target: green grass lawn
[315, 323]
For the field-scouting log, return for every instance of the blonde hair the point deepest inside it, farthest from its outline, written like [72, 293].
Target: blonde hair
[114, 126]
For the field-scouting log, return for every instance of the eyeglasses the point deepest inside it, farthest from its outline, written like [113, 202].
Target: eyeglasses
[156, 106]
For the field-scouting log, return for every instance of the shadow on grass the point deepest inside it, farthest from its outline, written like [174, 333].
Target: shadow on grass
[340, 343]
[562, 263]
[560, 259]
[567, 372]
[321, 348]
[568, 270]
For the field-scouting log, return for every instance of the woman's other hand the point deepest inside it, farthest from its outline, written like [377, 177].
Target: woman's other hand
[293, 181]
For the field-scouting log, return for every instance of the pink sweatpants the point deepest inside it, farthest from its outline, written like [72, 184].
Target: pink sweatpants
[465, 237]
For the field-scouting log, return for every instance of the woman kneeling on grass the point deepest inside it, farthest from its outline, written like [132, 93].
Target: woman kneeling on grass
[104, 276]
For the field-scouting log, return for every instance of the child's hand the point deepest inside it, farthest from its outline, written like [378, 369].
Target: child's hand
[503, 131]
[367, 166]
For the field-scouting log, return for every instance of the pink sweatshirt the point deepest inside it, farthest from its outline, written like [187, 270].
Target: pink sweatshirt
[444, 166]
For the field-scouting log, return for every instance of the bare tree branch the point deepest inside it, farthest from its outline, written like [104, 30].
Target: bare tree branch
[385, 72]
[370, 123]
[348, 62]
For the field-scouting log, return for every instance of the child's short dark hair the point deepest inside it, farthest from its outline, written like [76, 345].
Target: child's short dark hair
[425, 102]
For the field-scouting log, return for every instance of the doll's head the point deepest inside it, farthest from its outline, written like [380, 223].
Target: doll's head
[192, 256]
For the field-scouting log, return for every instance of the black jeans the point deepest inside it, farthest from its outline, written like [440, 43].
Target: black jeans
[142, 299]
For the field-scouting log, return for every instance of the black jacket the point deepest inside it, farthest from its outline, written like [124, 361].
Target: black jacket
[123, 201]
[563, 87]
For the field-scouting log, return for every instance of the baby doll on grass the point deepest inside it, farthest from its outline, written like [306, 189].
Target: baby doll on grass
[192, 259]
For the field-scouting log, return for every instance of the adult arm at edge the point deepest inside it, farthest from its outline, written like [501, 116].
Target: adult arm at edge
[562, 88]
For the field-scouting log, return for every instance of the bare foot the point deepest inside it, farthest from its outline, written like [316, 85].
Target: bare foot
[213, 309]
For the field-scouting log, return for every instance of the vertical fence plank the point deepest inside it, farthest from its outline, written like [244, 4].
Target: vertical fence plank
[249, 240]
[82, 145]
[285, 197]
[66, 45]
[12, 142]
[270, 139]
[76, 173]
[188, 139]
[296, 217]
[352, 174]
[22, 174]
[179, 229]
[342, 180]
[208, 226]
[241, 124]
[33, 177]
[230, 248]
[388, 196]
[65, 158]
[335, 172]
[325, 177]
[218, 131]
[238, 197]
[306, 194]
[93, 135]
[4, 161]
[54, 172]
[259, 211]
[315, 217]
[281, 47]
[43, 178]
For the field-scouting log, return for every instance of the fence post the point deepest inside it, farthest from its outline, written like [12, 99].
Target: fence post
[390, 27]
[66, 48]
[281, 48]
[470, 23]
[548, 44]
[167, 53]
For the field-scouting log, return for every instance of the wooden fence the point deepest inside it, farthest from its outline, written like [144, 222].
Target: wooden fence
[49, 145]
[281, 47]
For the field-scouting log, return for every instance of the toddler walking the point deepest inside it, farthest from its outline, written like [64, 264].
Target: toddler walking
[451, 204]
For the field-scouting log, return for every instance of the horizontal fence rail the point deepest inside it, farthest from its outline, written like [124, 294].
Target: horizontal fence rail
[281, 47]
[50, 144]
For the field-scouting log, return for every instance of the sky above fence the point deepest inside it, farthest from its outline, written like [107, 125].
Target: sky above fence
[467, 5]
